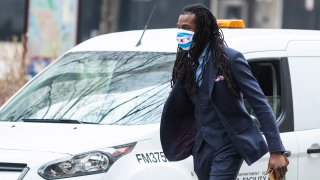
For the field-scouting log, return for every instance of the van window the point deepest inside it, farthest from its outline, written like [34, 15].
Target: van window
[268, 76]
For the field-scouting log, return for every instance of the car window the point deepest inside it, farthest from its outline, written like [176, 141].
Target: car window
[121, 88]
[268, 76]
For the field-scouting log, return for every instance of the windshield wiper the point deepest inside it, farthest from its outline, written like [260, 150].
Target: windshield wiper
[68, 121]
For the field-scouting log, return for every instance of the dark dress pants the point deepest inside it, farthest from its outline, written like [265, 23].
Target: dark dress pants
[221, 164]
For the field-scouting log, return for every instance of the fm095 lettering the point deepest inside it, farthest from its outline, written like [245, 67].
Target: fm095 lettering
[151, 157]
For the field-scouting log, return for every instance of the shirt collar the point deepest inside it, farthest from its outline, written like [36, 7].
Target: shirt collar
[204, 51]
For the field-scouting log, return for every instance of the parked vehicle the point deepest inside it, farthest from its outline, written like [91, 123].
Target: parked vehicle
[94, 113]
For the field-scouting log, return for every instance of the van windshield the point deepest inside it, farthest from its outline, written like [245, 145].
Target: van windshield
[115, 88]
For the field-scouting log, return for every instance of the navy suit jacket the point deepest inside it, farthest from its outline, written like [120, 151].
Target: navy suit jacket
[177, 128]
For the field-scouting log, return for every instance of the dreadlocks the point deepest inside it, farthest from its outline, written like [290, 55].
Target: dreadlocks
[207, 33]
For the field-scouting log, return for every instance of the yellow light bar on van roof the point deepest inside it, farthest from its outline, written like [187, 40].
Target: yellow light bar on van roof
[231, 23]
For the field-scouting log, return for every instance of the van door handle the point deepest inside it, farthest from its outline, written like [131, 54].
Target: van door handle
[313, 150]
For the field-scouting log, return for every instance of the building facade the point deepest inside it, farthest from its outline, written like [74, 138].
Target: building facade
[106, 16]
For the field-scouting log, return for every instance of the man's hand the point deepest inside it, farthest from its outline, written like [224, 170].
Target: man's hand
[278, 164]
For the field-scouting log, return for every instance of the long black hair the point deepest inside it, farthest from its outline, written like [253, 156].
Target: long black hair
[208, 34]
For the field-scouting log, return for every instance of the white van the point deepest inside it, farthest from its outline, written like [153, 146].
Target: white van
[94, 113]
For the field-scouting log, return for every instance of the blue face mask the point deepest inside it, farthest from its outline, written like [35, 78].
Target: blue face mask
[184, 38]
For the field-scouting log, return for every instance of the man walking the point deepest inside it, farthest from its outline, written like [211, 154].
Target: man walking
[204, 115]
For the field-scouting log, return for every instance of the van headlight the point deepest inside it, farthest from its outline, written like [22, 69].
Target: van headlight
[84, 164]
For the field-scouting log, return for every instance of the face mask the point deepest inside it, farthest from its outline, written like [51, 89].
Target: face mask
[184, 38]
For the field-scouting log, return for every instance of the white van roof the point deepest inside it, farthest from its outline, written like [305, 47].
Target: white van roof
[164, 40]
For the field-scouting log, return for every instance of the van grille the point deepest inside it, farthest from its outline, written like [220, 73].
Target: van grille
[19, 168]
[12, 166]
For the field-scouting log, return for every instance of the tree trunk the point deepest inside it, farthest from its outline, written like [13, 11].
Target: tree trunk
[109, 16]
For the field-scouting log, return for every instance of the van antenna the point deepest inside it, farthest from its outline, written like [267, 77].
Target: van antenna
[146, 26]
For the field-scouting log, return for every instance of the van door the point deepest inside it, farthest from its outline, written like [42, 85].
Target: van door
[273, 76]
[304, 63]
[306, 89]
